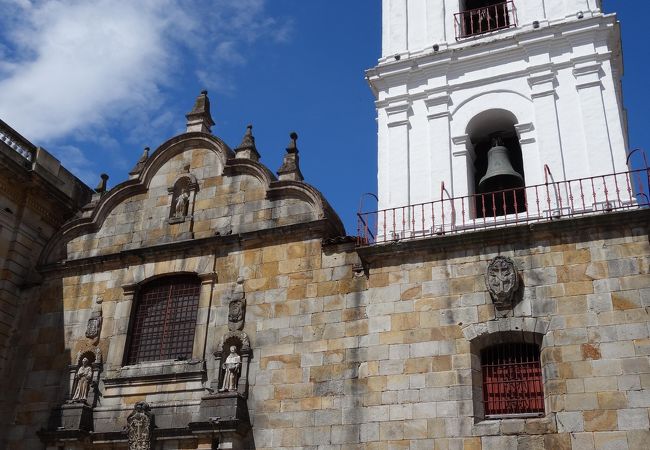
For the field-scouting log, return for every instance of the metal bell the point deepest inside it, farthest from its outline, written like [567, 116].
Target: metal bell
[500, 173]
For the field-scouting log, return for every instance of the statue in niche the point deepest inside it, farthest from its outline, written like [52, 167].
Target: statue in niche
[139, 426]
[502, 281]
[232, 369]
[83, 380]
[182, 204]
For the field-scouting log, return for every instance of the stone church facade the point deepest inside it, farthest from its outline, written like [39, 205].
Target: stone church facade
[206, 303]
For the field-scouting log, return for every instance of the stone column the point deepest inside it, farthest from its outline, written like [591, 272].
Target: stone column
[440, 161]
[598, 149]
[462, 184]
[208, 280]
[398, 28]
[533, 169]
[598, 146]
[550, 151]
[122, 316]
[397, 176]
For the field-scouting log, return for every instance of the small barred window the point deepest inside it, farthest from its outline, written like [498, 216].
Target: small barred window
[512, 380]
[164, 320]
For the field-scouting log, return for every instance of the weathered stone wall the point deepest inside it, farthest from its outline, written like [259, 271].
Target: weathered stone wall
[585, 289]
[36, 196]
[345, 361]
[373, 347]
[221, 205]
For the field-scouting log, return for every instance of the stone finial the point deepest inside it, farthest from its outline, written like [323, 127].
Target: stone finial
[290, 169]
[247, 147]
[199, 119]
[101, 187]
[140, 164]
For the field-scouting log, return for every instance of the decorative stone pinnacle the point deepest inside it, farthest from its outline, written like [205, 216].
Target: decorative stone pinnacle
[140, 164]
[247, 147]
[101, 187]
[290, 169]
[293, 148]
[199, 119]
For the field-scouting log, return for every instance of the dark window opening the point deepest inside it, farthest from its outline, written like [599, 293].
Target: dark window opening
[503, 194]
[483, 16]
[164, 320]
[512, 380]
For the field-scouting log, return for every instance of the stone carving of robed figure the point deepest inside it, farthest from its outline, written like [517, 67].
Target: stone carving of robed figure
[182, 203]
[83, 378]
[231, 368]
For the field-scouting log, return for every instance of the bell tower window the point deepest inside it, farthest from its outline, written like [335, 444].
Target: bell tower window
[483, 16]
[498, 180]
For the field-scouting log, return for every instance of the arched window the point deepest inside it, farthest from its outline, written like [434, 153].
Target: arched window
[498, 165]
[512, 380]
[164, 320]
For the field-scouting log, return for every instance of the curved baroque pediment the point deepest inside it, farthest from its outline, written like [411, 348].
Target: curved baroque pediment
[191, 187]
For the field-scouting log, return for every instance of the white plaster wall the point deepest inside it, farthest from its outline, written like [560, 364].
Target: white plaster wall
[411, 26]
[558, 82]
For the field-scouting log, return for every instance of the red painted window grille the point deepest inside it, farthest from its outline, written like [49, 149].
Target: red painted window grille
[164, 320]
[512, 380]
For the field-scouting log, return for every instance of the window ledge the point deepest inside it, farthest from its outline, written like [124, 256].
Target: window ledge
[515, 424]
[156, 372]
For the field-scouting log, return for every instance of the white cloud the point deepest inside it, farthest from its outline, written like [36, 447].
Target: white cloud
[91, 61]
[74, 68]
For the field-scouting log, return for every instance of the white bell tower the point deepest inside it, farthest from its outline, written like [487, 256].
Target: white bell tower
[544, 76]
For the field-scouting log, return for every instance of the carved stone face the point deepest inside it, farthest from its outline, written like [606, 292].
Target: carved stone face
[502, 280]
[233, 349]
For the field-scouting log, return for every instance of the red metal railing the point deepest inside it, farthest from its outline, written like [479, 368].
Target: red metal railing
[486, 19]
[539, 203]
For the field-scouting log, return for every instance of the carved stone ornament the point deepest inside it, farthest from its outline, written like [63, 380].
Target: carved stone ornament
[237, 307]
[236, 335]
[502, 281]
[94, 326]
[139, 427]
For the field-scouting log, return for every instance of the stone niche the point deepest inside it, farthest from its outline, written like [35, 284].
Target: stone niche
[228, 406]
[75, 416]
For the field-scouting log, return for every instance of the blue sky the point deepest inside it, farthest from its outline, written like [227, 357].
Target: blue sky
[95, 81]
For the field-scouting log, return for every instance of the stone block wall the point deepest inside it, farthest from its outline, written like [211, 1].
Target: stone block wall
[36, 196]
[221, 205]
[352, 347]
[342, 360]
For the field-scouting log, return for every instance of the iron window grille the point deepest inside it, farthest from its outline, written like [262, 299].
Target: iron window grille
[486, 17]
[512, 380]
[165, 320]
